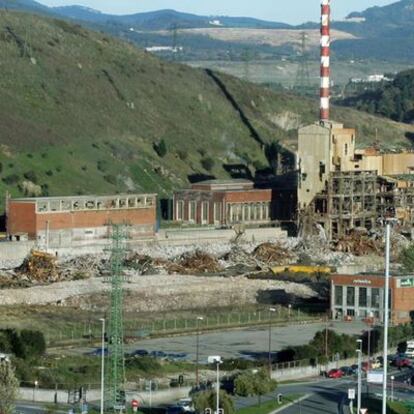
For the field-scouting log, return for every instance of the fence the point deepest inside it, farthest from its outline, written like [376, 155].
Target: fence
[142, 329]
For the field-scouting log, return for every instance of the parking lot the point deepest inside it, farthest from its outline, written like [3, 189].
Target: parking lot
[243, 342]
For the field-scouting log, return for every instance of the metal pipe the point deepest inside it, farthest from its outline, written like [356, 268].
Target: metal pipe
[359, 351]
[199, 318]
[271, 310]
[103, 366]
[218, 388]
[386, 317]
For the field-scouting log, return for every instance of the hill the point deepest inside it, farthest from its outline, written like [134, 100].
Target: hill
[81, 112]
[394, 100]
[386, 33]
[154, 20]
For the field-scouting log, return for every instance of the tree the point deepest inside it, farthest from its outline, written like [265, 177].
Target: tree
[208, 163]
[407, 258]
[34, 342]
[161, 148]
[9, 387]
[207, 399]
[255, 383]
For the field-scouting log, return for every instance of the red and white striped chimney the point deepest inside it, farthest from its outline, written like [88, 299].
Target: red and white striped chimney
[325, 59]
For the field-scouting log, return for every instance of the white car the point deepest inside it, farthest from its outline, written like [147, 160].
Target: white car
[186, 404]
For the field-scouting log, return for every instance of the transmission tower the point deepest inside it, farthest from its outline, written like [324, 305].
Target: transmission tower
[115, 372]
[302, 83]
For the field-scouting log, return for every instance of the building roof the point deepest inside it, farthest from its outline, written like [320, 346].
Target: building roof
[229, 185]
[81, 197]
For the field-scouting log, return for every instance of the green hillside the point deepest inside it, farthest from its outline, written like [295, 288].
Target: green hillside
[81, 112]
[394, 99]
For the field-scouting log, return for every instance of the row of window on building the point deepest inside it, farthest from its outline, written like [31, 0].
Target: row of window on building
[367, 297]
[235, 212]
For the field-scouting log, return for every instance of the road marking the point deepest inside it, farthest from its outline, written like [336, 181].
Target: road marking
[278, 410]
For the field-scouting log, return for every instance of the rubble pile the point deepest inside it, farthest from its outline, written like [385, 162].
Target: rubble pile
[83, 267]
[359, 244]
[197, 262]
[273, 254]
[40, 267]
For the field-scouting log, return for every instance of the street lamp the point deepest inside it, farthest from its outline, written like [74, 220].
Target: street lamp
[359, 351]
[271, 310]
[36, 384]
[102, 365]
[216, 360]
[199, 318]
[392, 387]
[386, 316]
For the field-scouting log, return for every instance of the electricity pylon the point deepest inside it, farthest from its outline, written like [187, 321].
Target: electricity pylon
[302, 84]
[115, 373]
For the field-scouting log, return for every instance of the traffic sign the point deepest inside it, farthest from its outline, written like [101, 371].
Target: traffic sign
[134, 405]
[363, 410]
[351, 394]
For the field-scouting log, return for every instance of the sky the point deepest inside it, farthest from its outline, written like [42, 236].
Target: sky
[287, 11]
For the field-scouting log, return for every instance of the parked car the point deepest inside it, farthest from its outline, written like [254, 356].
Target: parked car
[175, 409]
[98, 352]
[186, 404]
[159, 354]
[346, 371]
[139, 352]
[402, 362]
[354, 369]
[335, 373]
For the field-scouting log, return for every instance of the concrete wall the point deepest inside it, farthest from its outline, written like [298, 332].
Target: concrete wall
[313, 154]
[13, 253]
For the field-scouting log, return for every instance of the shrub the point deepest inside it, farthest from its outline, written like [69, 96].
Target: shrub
[31, 176]
[161, 148]
[208, 163]
[182, 155]
[207, 399]
[111, 179]
[49, 173]
[11, 179]
[407, 258]
[34, 342]
[102, 165]
[145, 364]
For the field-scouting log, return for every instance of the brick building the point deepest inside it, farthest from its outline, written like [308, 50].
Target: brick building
[360, 296]
[223, 203]
[60, 221]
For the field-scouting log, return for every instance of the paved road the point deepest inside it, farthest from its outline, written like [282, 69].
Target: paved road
[236, 343]
[326, 395]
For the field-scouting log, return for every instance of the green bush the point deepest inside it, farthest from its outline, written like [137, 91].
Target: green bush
[34, 342]
[145, 364]
[31, 176]
[161, 148]
[11, 179]
[407, 258]
[254, 383]
[207, 399]
[208, 163]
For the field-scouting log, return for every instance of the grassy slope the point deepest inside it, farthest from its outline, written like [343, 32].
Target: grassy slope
[76, 98]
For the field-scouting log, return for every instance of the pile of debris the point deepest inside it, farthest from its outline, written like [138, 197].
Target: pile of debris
[40, 267]
[359, 244]
[83, 267]
[273, 254]
[187, 263]
[198, 262]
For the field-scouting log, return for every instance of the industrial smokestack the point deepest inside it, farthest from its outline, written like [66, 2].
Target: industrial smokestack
[325, 59]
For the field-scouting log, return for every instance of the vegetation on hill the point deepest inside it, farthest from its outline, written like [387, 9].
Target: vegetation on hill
[81, 112]
[393, 100]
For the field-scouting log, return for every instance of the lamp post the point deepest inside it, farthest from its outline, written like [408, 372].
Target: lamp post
[386, 316]
[392, 387]
[36, 384]
[359, 351]
[271, 310]
[216, 360]
[199, 318]
[102, 366]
